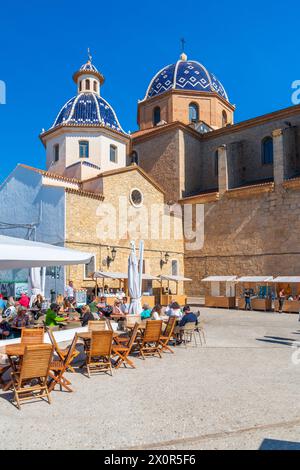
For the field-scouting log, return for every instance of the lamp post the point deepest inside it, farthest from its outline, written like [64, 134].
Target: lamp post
[164, 261]
[111, 257]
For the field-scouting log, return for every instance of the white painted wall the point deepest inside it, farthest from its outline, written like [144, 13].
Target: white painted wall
[99, 150]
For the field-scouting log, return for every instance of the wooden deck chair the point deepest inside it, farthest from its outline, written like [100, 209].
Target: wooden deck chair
[32, 336]
[58, 369]
[62, 353]
[122, 351]
[35, 366]
[149, 342]
[97, 325]
[167, 335]
[98, 358]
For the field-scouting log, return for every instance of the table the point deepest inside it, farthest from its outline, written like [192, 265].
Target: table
[86, 335]
[12, 350]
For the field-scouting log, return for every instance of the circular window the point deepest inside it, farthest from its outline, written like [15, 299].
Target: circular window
[136, 197]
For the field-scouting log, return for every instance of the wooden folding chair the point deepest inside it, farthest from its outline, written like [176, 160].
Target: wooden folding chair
[97, 325]
[35, 366]
[167, 335]
[58, 369]
[98, 358]
[122, 351]
[62, 353]
[149, 343]
[32, 336]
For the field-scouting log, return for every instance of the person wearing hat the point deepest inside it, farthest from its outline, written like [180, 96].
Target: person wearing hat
[22, 318]
[52, 317]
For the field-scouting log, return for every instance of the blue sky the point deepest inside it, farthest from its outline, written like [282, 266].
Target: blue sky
[252, 48]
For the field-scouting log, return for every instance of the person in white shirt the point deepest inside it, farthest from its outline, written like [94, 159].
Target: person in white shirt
[125, 306]
[156, 313]
[70, 291]
[174, 310]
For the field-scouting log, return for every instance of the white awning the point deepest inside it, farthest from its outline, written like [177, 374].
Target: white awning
[110, 275]
[175, 278]
[255, 279]
[287, 279]
[119, 275]
[219, 279]
[17, 253]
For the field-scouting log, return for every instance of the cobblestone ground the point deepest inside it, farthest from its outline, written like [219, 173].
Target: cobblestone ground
[240, 391]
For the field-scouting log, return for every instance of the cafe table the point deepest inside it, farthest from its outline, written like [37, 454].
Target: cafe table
[11, 351]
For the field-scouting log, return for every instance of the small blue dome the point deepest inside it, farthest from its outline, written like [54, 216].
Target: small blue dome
[185, 75]
[88, 109]
[88, 67]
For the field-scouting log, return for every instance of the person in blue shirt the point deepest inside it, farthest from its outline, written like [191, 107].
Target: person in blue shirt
[2, 303]
[188, 317]
[146, 313]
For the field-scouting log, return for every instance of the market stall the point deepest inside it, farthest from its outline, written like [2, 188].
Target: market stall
[260, 290]
[291, 286]
[166, 293]
[215, 299]
[113, 293]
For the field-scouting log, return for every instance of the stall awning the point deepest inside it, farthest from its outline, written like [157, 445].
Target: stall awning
[219, 279]
[287, 279]
[119, 275]
[175, 278]
[17, 253]
[255, 279]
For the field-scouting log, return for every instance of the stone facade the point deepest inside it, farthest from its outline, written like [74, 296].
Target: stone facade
[90, 227]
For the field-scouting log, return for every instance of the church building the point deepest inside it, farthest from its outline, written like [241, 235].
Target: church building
[102, 187]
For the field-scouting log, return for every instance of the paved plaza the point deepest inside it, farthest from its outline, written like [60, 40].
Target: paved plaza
[240, 391]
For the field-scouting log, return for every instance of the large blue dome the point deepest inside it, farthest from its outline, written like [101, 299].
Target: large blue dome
[88, 109]
[185, 75]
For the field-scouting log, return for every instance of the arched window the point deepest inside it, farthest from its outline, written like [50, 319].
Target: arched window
[83, 149]
[224, 119]
[56, 152]
[80, 85]
[216, 163]
[95, 85]
[193, 112]
[134, 157]
[156, 115]
[113, 153]
[87, 84]
[267, 151]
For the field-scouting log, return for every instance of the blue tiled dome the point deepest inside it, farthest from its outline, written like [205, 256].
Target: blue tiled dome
[185, 75]
[88, 109]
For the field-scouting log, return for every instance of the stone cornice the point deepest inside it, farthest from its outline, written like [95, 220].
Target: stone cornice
[200, 198]
[191, 93]
[248, 191]
[293, 183]
[88, 194]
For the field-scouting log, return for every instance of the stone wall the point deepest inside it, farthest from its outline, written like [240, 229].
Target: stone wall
[248, 234]
[89, 221]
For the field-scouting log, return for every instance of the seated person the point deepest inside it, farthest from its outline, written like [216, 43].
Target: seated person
[10, 312]
[146, 312]
[24, 300]
[156, 312]
[174, 310]
[93, 305]
[52, 317]
[102, 305]
[22, 319]
[38, 302]
[125, 306]
[117, 308]
[5, 329]
[188, 317]
[2, 303]
[86, 315]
